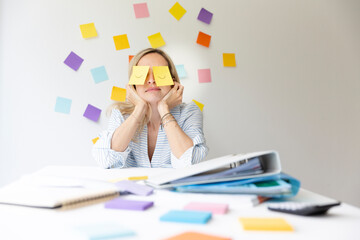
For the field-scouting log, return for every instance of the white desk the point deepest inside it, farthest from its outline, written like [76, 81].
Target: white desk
[28, 223]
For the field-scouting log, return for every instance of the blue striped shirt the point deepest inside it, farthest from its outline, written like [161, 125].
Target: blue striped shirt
[190, 119]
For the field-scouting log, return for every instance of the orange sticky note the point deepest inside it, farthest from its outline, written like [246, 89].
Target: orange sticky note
[196, 236]
[118, 94]
[156, 40]
[121, 42]
[95, 140]
[88, 30]
[139, 74]
[265, 224]
[130, 57]
[162, 76]
[203, 39]
[199, 104]
[229, 60]
[177, 11]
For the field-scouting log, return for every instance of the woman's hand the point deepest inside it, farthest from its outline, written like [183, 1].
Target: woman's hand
[172, 99]
[133, 97]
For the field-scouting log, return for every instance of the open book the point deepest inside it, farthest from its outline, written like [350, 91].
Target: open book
[227, 168]
[56, 192]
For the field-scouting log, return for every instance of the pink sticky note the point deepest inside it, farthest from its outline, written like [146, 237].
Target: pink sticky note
[204, 75]
[215, 208]
[141, 10]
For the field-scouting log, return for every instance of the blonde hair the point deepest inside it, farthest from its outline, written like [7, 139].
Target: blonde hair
[126, 108]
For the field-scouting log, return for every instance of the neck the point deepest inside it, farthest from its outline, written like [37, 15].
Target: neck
[155, 117]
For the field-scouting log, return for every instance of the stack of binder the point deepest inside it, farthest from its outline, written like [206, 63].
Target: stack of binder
[253, 173]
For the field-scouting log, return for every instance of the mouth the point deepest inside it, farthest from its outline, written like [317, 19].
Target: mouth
[152, 89]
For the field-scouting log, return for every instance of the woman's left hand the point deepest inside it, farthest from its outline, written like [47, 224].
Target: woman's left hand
[171, 99]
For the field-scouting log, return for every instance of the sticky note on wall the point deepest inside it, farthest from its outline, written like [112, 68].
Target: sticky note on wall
[141, 10]
[118, 94]
[63, 105]
[180, 69]
[177, 11]
[138, 75]
[156, 40]
[99, 74]
[229, 60]
[203, 39]
[88, 30]
[205, 16]
[204, 75]
[199, 104]
[162, 76]
[92, 113]
[121, 42]
[73, 61]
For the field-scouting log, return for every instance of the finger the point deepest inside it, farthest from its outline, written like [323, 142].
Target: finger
[181, 89]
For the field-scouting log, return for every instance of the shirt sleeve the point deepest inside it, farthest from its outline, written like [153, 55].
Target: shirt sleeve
[193, 127]
[102, 152]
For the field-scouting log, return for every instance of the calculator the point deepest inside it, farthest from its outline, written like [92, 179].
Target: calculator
[302, 208]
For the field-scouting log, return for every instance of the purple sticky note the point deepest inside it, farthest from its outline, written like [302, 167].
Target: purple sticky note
[92, 113]
[119, 203]
[205, 16]
[134, 188]
[73, 61]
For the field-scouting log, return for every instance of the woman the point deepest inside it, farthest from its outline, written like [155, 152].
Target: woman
[153, 128]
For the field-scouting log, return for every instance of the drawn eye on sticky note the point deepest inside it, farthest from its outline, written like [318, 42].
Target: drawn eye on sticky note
[138, 75]
[162, 76]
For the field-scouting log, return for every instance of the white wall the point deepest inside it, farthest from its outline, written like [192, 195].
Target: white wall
[295, 88]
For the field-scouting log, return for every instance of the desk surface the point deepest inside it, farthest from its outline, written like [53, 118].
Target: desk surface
[29, 223]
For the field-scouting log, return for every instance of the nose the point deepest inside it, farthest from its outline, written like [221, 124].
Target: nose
[150, 78]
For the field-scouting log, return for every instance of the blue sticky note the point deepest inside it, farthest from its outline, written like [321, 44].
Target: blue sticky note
[99, 74]
[63, 105]
[186, 216]
[181, 71]
[104, 231]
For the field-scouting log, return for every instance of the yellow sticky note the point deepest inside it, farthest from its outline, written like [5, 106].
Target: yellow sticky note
[121, 42]
[200, 105]
[95, 140]
[138, 178]
[115, 180]
[265, 224]
[229, 60]
[177, 11]
[156, 40]
[88, 30]
[138, 75]
[162, 76]
[118, 94]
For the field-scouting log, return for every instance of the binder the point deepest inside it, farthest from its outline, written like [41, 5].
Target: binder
[226, 168]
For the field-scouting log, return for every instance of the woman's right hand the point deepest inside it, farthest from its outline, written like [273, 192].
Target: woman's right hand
[133, 97]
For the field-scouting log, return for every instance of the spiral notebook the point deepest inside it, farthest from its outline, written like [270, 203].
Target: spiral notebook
[56, 192]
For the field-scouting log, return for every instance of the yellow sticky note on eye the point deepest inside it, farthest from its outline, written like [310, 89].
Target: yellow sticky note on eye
[95, 140]
[88, 30]
[229, 60]
[138, 75]
[199, 104]
[162, 76]
[118, 94]
[177, 11]
[265, 224]
[156, 40]
[121, 42]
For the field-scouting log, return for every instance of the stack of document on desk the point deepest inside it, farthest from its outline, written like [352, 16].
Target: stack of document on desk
[254, 173]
